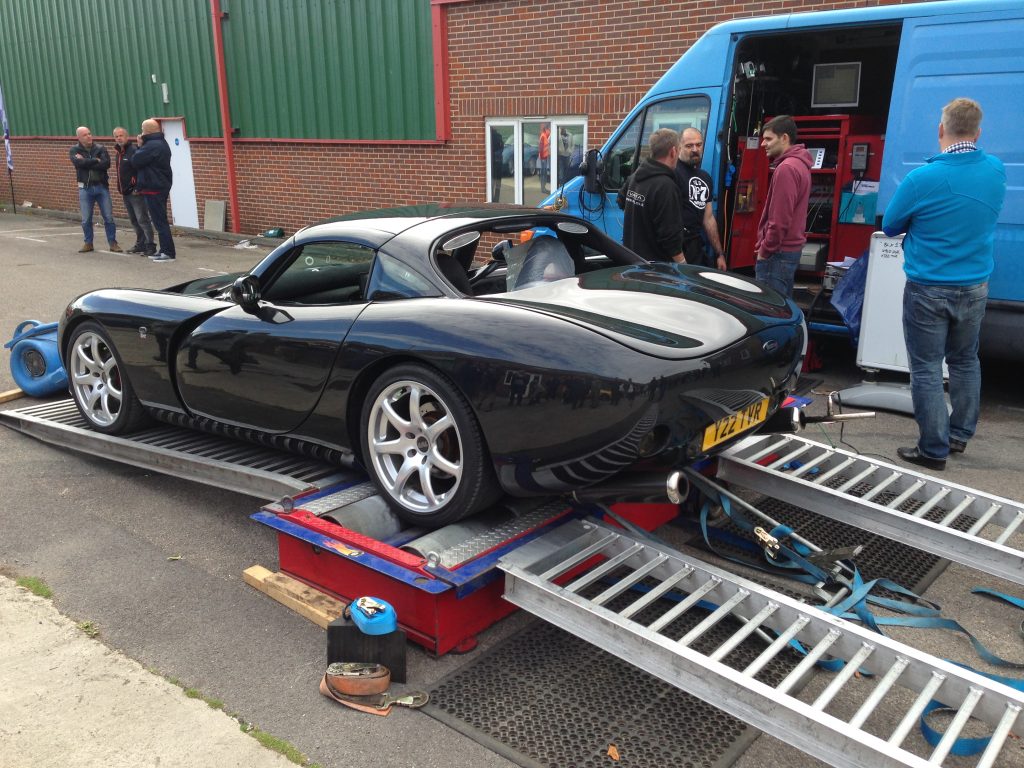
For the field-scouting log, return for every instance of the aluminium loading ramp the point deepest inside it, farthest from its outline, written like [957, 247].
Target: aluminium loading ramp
[238, 466]
[569, 577]
[952, 521]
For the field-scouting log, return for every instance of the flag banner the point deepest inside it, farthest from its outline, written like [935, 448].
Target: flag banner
[7, 132]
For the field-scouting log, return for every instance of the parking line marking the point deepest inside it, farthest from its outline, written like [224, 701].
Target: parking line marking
[33, 239]
[37, 229]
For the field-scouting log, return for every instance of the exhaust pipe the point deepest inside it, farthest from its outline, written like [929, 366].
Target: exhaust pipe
[785, 420]
[640, 487]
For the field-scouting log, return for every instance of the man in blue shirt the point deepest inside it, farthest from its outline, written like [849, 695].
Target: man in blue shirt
[948, 209]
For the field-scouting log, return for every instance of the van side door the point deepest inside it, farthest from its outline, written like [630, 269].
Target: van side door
[977, 55]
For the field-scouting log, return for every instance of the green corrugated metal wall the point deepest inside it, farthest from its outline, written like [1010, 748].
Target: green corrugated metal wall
[352, 69]
[305, 69]
[65, 63]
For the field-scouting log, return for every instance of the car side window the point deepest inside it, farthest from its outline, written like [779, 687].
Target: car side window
[631, 147]
[326, 272]
[677, 114]
[394, 280]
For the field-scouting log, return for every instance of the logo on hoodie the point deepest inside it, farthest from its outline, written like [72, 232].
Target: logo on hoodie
[636, 198]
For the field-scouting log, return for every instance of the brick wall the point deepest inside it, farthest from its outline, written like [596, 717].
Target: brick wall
[506, 58]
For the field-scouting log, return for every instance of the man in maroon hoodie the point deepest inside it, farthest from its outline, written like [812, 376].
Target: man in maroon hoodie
[780, 234]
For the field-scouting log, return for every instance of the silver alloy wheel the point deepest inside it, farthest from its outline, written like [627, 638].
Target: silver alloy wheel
[415, 446]
[96, 379]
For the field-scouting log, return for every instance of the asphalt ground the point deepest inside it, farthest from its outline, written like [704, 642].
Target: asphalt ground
[155, 563]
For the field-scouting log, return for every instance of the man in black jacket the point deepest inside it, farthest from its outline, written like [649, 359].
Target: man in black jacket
[153, 178]
[134, 203]
[695, 191]
[653, 221]
[91, 162]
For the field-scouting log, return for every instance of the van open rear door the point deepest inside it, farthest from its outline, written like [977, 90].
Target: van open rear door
[977, 55]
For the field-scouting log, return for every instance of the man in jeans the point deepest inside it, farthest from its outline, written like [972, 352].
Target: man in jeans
[134, 203]
[780, 233]
[948, 209]
[91, 163]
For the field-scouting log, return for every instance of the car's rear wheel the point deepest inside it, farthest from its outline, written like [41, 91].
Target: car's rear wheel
[423, 447]
[101, 390]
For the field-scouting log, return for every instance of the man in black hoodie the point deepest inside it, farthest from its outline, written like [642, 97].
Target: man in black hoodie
[153, 178]
[653, 221]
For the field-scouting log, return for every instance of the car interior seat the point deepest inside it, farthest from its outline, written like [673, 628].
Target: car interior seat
[546, 259]
[454, 272]
[456, 257]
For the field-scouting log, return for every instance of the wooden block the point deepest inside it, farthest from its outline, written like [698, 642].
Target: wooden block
[11, 394]
[319, 608]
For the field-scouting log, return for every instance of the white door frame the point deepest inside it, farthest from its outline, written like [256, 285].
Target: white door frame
[184, 209]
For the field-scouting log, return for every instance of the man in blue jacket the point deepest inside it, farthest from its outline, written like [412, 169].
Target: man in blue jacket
[948, 209]
[152, 164]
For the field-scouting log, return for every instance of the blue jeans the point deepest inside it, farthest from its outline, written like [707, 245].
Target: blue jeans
[157, 205]
[778, 271]
[138, 215]
[944, 321]
[87, 199]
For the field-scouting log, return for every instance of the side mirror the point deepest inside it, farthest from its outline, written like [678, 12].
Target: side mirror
[245, 291]
[590, 169]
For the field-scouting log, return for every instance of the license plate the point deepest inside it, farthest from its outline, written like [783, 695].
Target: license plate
[723, 429]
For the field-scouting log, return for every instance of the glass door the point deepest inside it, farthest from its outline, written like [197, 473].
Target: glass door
[568, 144]
[502, 168]
[535, 160]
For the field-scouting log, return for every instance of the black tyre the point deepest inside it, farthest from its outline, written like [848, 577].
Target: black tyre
[101, 390]
[423, 447]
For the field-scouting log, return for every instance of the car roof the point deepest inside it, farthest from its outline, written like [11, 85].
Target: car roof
[376, 227]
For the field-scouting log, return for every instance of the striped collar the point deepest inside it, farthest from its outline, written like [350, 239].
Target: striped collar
[960, 146]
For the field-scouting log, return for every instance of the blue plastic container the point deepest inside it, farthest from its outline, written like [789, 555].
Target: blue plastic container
[373, 616]
[35, 359]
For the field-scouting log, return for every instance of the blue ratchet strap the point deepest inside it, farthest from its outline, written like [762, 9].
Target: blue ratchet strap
[855, 605]
[1014, 601]
[813, 576]
[972, 746]
[963, 745]
[817, 575]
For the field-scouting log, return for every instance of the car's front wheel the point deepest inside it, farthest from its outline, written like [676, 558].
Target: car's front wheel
[423, 447]
[101, 390]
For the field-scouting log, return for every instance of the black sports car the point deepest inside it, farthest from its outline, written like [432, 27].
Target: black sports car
[553, 363]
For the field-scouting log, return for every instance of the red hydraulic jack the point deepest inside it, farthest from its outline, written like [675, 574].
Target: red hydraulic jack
[444, 591]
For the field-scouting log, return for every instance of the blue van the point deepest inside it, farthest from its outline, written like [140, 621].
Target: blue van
[867, 86]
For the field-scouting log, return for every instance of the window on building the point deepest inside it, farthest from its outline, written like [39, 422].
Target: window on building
[631, 148]
[530, 157]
